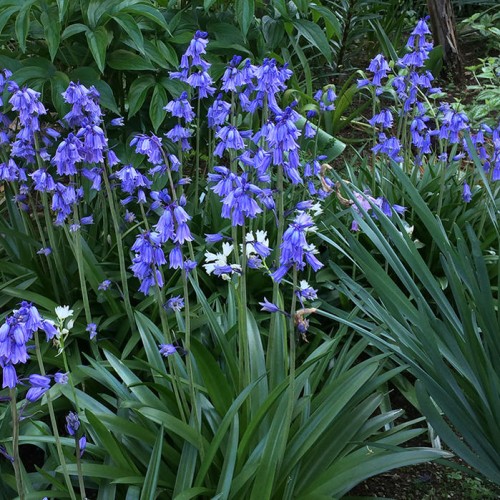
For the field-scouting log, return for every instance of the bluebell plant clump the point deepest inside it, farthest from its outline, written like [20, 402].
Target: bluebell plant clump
[437, 132]
[269, 189]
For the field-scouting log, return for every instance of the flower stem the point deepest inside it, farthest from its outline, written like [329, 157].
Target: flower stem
[53, 422]
[15, 443]
[242, 317]
[197, 155]
[273, 344]
[121, 254]
[52, 240]
[81, 482]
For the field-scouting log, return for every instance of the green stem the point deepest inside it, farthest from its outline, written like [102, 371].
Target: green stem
[81, 482]
[121, 254]
[53, 245]
[48, 221]
[242, 317]
[53, 423]
[273, 337]
[70, 376]
[292, 324]
[81, 274]
[49, 261]
[15, 444]
[197, 153]
[160, 300]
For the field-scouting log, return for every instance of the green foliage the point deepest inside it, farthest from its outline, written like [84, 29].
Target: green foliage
[241, 443]
[483, 27]
[448, 334]
[486, 103]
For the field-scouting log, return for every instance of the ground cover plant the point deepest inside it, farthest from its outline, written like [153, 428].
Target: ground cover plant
[209, 310]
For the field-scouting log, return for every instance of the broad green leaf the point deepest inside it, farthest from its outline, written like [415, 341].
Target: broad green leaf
[58, 84]
[32, 74]
[96, 9]
[336, 397]
[384, 40]
[158, 101]
[130, 27]
[333, 28]
[132, 381]
[133, 493]
[151, 337]
[245, 10]
[52, 30]
[138, 92]
[22, 25]
[149, 13]
[315, 35]
[98, 43]
[218, 438]
[73, 29]
[125, 60]
[273, 31]
[6, 14]
[10, 63]
[189, 459]
[62, 7]
[327, 144]
[168, 53]
[151, 480]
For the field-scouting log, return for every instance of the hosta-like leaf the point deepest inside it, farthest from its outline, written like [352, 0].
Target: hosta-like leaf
[98, 43]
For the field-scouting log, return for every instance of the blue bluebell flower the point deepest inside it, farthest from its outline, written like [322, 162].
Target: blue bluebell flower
[85, 110]
[40, 384]
[167, 349]
[72, 423]
[180, 134]
[94, 143]
[466, 195]
[240, 203]
[384, 119]
[181, 108]
[269, 306]
[43, 181]
[175, 303]
[218, 112]
[9, 171]
[92, 330]
[295, 250]
[201, 81]
[104, 285]
[149, 256]
[213, 238]
[151, 146]
[229, 138]
[197, 47]
[389, 146]
[61, 378]
[94, 175]
[233, 78]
